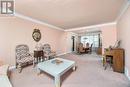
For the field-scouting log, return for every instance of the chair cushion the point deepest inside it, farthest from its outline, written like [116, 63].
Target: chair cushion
[25, 59]
[20, 56]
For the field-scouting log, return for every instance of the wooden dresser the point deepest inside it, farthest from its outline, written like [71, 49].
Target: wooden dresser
[117, 55]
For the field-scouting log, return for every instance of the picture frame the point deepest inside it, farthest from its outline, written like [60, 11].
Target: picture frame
[36, 35]
[117, 44]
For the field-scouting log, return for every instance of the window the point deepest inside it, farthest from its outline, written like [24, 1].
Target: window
[91, 39]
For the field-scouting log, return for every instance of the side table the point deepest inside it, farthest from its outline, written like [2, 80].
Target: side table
[38, 56]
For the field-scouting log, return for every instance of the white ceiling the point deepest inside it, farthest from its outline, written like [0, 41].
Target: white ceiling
[68, 14]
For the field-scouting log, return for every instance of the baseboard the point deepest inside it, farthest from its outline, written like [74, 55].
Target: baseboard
[127, 73]
[63, 53]
[12, 68]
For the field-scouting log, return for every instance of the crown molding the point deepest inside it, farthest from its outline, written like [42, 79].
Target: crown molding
[92, 26]
[37, 21]
[123, 9]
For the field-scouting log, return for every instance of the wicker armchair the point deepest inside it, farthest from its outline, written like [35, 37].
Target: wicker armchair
[23, 57]
[48, 52]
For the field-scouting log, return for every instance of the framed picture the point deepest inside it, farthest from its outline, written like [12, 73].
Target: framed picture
[117, 44]
[36, 35]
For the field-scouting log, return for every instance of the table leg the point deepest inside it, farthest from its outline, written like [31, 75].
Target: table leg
[34, 60]
[57, 81]
[74, 68]
[39, 71]
[47, 57]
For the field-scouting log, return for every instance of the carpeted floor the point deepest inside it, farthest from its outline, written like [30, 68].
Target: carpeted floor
[89, 73]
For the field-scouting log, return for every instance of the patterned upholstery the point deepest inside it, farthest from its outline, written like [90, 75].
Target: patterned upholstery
[22, 56]
[46, 48]
[48, 52]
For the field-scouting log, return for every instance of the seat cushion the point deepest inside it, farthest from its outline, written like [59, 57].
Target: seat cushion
[25, 59]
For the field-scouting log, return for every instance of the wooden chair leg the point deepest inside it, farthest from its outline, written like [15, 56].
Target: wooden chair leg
[34, 62]
[103, 61]
[105, 66]
[108, 62]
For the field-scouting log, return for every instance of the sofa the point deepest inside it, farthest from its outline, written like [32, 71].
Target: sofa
[4, 80]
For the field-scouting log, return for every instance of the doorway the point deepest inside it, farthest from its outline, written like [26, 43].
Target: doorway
[93, 38]
[73, 43]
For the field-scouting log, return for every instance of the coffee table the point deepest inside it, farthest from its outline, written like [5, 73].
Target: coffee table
[56, 69]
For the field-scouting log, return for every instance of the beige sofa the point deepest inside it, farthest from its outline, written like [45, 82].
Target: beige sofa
[4, 80]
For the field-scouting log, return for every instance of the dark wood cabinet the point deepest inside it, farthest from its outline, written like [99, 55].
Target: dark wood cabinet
[117, 55]
[38, 56]
[39, 53]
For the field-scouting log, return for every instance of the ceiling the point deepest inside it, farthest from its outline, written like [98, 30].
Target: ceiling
[68, 14]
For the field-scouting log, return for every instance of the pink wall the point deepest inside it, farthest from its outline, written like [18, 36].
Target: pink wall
[14, 31]
[123, 27]
[109, 36]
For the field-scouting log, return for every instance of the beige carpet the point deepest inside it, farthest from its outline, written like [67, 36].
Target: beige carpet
[89, 73]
